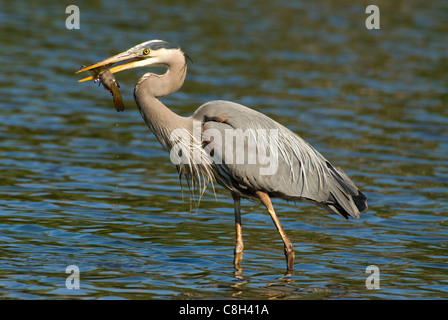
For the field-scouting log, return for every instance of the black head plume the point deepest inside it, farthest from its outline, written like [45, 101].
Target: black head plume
[187, 58]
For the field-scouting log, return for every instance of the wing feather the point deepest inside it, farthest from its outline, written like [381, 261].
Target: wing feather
[301, 172]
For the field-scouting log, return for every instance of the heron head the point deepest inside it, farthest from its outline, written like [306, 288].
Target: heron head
[146, 54]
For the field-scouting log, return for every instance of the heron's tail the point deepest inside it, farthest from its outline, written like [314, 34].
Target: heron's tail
[345, 199]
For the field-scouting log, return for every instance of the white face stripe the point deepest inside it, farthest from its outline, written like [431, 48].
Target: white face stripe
[159, 57]
[152, 45]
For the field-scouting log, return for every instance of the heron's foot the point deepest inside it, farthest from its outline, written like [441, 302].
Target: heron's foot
[238, 256]
[237, 264]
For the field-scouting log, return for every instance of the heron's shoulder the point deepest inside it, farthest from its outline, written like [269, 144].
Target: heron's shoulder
[229, 110]
[222, 106]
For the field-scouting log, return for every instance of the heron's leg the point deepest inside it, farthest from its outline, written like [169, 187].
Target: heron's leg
[289, 249]
[239, 246]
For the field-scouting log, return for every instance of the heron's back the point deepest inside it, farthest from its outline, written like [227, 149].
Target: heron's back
[299, 171]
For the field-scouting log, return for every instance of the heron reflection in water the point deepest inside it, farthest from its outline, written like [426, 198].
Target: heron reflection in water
[301, 173]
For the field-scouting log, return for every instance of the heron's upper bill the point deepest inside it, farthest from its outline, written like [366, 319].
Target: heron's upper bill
[109, 61]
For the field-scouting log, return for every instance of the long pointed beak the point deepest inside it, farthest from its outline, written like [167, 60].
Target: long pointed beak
[109, 61]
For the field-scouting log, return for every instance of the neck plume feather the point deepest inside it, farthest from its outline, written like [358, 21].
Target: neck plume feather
[150, 87]
[163, 122]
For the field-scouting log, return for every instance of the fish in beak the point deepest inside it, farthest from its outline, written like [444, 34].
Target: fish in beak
[101, 71]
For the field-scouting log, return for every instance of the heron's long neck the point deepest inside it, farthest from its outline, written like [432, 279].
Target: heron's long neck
[161, 120]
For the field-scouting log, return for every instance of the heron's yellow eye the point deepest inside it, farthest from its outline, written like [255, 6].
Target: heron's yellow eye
[146, 52]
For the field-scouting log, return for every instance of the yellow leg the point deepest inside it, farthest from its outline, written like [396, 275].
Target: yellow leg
[239, 246]
[289, 249]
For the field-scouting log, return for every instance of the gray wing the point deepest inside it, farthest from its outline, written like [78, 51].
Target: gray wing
[272, 159]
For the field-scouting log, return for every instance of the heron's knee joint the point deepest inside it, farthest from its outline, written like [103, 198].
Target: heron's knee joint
[289, 248]
[239, 247]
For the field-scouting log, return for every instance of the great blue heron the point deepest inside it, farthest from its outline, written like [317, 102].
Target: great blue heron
[300, 172]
